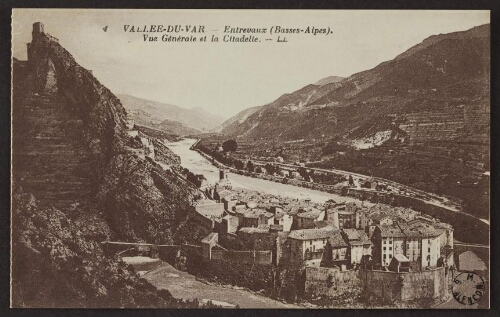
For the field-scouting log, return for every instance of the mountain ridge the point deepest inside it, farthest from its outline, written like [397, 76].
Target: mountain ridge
[157, 115]
[422, 71]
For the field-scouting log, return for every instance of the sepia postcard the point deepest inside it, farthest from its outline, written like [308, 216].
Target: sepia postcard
[334, 159]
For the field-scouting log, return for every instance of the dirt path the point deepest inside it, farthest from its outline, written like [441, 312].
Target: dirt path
[184, 285]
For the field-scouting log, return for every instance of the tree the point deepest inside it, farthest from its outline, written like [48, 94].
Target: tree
[230, 146]
[303, 172]
[277, 169]
[271, 169]
[196, 179]
[239, 164]
[250, 166]
[351, 181]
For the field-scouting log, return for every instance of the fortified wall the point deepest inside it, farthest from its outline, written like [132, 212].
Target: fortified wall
[244, 257]
[212, 251]
[406, 286]
[330, 282]
[392, 286]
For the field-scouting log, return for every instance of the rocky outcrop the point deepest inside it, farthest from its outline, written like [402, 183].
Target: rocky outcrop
[143, 202]
[71, 148]
[58, 263]
[66, 126]
[78, 182]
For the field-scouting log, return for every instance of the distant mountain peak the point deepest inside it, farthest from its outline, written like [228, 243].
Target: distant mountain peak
[329, 80]
[155, 114]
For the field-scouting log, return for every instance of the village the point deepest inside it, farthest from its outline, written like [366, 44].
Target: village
[391, 252]
[331, 241]
[394, 253]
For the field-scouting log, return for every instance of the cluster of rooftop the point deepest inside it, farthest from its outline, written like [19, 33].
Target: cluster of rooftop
[334, 234]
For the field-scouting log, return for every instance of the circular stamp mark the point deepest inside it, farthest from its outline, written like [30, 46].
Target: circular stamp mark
[468, 288]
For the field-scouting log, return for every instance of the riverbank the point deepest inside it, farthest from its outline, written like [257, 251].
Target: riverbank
[200, 164]
[391, 187]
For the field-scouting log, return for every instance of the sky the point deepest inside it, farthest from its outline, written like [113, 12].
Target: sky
[225, 78]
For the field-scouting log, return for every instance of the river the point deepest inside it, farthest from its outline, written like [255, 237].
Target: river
[197, 164]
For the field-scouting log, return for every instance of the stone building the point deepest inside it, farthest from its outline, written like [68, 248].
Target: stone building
[223, 194]
[370, 183]
[336, 251]
[359, 246]
[210, 209]
[284, 220]
[229, 224]
[256, 217]
[375, 219]
[229, 202]
[257, 238]
[306, 218]
[344, 215]
[417, 241]
[307, 244]
[387, 242]
[207, 244]
[399, 263]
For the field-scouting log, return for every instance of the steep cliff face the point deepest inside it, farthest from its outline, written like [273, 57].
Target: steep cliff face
[78, 180]
[67, 126]
[101, 112]
[155, 200]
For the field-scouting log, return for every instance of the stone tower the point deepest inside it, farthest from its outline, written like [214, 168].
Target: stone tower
[37, 29]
